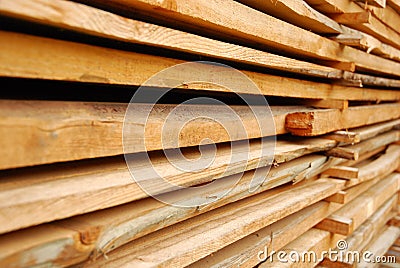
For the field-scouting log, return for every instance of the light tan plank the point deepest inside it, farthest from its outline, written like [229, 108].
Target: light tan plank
[68, 61]
[311, 123]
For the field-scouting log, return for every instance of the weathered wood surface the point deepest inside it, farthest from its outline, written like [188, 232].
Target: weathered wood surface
[39, 132]
[235, 21]
[311, 123]
[191, 240]
[244, 253]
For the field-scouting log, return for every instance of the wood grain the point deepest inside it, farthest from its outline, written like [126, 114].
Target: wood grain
[311, 123]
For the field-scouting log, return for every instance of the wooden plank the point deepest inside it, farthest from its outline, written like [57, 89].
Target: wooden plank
[141, 33]
[383, 165]
[311, 123]
[356, 135]
[214, 230]
[244, 253]
[68, 61]
[367, 42]
[381, 245]
[71, 191]
[62, 14]
[67, 126]
[364, 234]
[44, 245]
[342, 172]
[386, 15]
[235, 22]
[352, 18]
[332, 104]
[375, 27]
[352, 152]
[297, 13]
[395, 4]
[345, 196]
[352, 215]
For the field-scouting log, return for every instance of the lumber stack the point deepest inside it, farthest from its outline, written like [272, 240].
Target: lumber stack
[321, 172]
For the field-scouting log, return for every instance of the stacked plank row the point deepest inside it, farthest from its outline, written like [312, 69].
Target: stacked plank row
[329, 69]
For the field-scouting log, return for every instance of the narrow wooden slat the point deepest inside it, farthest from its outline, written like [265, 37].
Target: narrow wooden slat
[383, 165]
[345, 196]
[311, 123]
[356, 135]
[39, 132]
[236, 21]
[342, 172]
[352, 152]
[71, 188]
[68, 61]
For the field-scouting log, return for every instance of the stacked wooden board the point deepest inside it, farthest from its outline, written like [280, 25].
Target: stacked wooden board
[329, 69]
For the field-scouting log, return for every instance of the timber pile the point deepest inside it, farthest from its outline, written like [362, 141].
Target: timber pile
[330, 69]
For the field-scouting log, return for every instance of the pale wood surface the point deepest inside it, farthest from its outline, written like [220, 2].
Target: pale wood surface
[39, 132]
[68, 61]
[244, 252]
[189, 241]
[71, 191]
